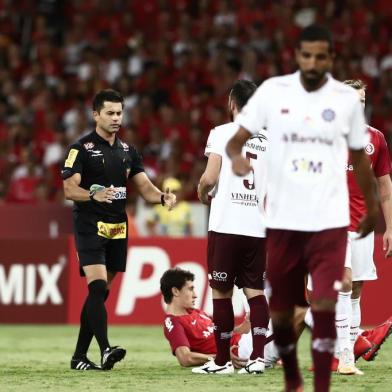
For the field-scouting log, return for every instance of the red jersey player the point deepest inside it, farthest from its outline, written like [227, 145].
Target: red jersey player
[359, 264]
[361, 250]
[190, 331]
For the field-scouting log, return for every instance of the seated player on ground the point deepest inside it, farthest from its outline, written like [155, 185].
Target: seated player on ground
[190, 331]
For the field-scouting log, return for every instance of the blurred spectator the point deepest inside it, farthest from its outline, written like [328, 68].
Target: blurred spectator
[173, 61]
[175, 223]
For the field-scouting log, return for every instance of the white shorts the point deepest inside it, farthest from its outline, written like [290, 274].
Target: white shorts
[360, 256]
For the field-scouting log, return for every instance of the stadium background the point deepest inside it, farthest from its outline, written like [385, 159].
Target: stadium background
[174, 62]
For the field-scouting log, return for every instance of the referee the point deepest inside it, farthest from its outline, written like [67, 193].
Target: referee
[95, 176]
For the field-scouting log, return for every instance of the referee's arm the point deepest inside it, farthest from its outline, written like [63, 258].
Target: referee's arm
[72, 191]
[150, 193]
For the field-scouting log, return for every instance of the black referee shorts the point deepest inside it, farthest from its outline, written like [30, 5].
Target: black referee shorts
[94, 249]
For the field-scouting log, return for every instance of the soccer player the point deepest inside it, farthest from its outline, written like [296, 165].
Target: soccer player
[236, 236]
[361, 250]
[359, 263]
[190, 331]
[95, 176]
[311, 120]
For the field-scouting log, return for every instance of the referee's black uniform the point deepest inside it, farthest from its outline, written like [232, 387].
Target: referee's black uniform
[101, 229]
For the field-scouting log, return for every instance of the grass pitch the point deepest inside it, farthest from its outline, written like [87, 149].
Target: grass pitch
[36, 358]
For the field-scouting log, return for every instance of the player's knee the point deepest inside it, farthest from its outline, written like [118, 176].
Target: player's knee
[222, 293]
[357, 288]
[346, 284]
[282, 319]
[97, 288]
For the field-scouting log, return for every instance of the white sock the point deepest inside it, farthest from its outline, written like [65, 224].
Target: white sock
[343, 322]
[355, 319]
[309, 319]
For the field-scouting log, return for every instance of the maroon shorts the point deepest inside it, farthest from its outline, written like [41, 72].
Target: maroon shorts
[294, 254]
[235, 260]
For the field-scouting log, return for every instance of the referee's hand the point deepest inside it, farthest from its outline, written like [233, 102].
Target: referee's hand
[106, 195]
[170, 199]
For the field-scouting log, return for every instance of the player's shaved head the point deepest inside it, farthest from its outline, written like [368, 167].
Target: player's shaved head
[174, 277]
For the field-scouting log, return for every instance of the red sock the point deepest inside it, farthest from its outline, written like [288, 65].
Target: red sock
[224, 324]
[286, 343]
[259, 317]
[323, 344]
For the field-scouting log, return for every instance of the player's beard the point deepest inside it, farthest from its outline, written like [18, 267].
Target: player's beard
[312, 79]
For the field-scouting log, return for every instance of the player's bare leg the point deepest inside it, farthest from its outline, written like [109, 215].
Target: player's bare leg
[299, 319]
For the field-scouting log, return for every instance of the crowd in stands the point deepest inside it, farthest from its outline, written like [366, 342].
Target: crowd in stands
[174, 62]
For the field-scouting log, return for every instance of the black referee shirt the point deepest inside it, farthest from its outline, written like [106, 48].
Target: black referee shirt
[100, 163]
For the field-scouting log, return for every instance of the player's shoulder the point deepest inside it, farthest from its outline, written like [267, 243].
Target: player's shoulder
[281, 81]
[87, 142]
[90, 137]
[375, 132]
[170, 322]
[344, 90]
[224, 128]
[221, 134]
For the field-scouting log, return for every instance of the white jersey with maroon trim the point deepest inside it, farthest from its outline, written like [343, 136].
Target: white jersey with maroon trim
[237, 206]
[308, 138]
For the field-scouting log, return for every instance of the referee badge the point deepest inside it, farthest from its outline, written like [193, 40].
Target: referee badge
[328, 115]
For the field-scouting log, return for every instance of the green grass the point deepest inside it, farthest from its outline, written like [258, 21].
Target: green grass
[36, 358]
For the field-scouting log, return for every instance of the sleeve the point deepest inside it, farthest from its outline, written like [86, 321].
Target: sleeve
[212, 144]
[253, 116]
[383, 163]
[358, 135]
[136, 163]
[175, 333]
[74, 162]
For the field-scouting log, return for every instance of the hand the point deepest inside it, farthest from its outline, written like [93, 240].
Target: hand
[387, 243]
[170, 199]
[204, 198]
[238, 362]
[240, 165]
[368, 223]
[106, 195]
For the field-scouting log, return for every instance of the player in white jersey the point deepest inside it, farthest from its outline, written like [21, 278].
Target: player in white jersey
[312, 120]
[359, 264]
[236, 237]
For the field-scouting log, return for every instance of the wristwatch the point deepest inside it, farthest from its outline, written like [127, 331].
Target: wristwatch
[91, 194]
[163, 199]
